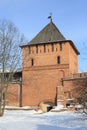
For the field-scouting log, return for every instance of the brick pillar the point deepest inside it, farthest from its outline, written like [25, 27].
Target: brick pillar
[60, 96]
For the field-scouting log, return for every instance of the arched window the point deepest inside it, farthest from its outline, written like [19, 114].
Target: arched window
[58, 59]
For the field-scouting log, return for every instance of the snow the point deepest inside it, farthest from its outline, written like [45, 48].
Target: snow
[78, 106]
[31, 120]
[18, 108]
[59, 107]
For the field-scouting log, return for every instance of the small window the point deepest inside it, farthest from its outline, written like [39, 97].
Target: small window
[40, 50]
[32, 62]
[60, 46]
[44, 48]
[52, 47]
[58, 59]
[36, 48]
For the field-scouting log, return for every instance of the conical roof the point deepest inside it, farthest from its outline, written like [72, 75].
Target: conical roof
[49, 33]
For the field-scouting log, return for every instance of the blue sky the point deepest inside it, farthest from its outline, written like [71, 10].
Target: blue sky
[70, 16]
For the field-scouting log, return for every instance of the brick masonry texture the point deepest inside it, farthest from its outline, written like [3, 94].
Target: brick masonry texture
[49, 70]
[13, 95]
[46, 80]
[41, 79]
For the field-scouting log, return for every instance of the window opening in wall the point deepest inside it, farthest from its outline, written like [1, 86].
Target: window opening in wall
[3, 95]
[60, 46]
[40, 50]
[44, 48]
[52, 47]
[58, 59]
[36, 48]
[32, 62]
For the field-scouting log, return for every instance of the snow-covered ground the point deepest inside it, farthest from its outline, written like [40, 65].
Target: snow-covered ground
[30, 120]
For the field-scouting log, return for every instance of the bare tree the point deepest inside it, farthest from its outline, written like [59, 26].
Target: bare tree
[10, 56]
[80, 91]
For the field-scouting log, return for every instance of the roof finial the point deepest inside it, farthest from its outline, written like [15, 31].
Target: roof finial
[50, 17]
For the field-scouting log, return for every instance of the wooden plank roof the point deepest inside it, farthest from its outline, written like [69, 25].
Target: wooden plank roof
[49, 33]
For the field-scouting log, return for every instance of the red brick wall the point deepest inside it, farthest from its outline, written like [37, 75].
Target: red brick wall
[46, 58]
[75, 86]
[73, 60]
[40, 84]
[41, 79]
[12, 97]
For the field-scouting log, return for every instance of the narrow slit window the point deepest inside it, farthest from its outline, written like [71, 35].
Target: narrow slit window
[40, 50]
[32, 62]
[58, 59]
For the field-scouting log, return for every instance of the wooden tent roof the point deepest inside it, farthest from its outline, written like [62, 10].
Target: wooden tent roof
[49, 33]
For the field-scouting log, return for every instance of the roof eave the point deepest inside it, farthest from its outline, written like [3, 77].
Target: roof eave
[71, 42]
[21, 46]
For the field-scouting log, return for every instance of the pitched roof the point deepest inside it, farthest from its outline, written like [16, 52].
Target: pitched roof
[49, 33]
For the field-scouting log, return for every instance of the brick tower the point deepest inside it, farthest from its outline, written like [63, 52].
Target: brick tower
[47, 58]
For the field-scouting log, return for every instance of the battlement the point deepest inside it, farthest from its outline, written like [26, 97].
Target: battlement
[45, 48]
[80, 75]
